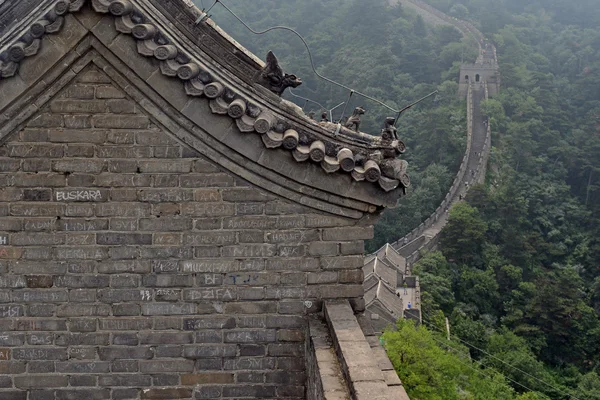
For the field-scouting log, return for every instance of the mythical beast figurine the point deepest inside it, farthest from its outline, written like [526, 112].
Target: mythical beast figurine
[273, 78]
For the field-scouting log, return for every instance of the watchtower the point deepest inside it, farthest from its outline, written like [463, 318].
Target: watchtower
[477, 74]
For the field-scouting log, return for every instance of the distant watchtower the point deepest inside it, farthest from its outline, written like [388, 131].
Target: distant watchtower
[477, 74]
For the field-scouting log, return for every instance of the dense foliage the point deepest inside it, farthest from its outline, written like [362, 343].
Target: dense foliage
[518, 274]
[519, 269]
[386, 52]
[434, 368]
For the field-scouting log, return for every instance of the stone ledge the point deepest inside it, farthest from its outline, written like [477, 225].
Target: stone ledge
[367, 370]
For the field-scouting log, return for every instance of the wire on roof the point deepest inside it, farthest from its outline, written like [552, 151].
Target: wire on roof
[312, 64]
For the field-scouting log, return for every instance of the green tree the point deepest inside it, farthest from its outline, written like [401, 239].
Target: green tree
[463, 235]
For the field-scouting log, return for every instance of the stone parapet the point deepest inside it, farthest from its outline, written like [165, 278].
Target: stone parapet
[367, 370]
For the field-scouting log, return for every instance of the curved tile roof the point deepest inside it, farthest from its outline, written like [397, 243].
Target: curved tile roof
[212, 66]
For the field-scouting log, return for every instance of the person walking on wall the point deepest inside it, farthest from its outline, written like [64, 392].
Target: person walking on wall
[405, 287]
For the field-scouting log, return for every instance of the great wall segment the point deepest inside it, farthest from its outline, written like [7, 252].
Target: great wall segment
[477, 81]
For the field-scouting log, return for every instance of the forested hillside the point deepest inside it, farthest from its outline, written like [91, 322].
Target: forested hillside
[518, 271]
[519, 268]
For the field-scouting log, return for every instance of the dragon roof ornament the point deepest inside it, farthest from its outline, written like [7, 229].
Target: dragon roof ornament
[335, 147]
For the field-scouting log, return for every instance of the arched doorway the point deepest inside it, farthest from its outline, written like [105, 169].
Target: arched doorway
[477, 78]
[466, 77]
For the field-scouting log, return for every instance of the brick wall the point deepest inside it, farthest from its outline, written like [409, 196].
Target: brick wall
[130, 268]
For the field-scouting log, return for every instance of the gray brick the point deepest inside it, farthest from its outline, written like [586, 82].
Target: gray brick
[251, 336]
[166, 338]
[210, 351]
[204, 364]
[125, 380]
[350, 248]
[82, 380]
[119, 106]
[351, 276]
[34, 150]
[249, 208]
[82, 325]
[179, 166]
[123, 295]
[12, 339]
[77, 121]
[317, 278]
[41, 310]
[125, 394]
[109, 92]
[168, 309]
[119, 267]
[86, 166]
[41, 367]
[215, 238]
[130, 152]
[77, 135]
[81, 253]
[165, 195]
[39, 296]
[11, 311]
[255, 391]
[41, 395]
[213, 322]
[85, 367]
[39, 353]
[77, 394]
[5, 382]
[125, 366]
[167, 281]
[114, 353]
[79, 91]
[125, 324]
[79, 150]
[37, 195]
[85, 281]
[165, 224]
[123, 238]
[82, 310]
[125, 339]
[23, 324]
[201, 295]
[209, 336]
[323, 249]
[205, 180]
[120, 121]
[45, 120]
[342, 262]
[41, 381]
[125, 281]
[167, 366]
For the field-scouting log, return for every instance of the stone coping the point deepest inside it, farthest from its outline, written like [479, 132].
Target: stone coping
[367, 370]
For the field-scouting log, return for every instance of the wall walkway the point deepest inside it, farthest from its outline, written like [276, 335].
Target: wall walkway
[473, 165]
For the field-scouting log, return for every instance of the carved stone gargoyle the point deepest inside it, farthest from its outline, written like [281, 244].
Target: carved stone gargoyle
[273, 78]
[354, 120]
[389, 132]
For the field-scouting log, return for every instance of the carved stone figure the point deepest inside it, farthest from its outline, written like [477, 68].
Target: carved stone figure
[273, 78]
[389, 131]
[354, 120]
